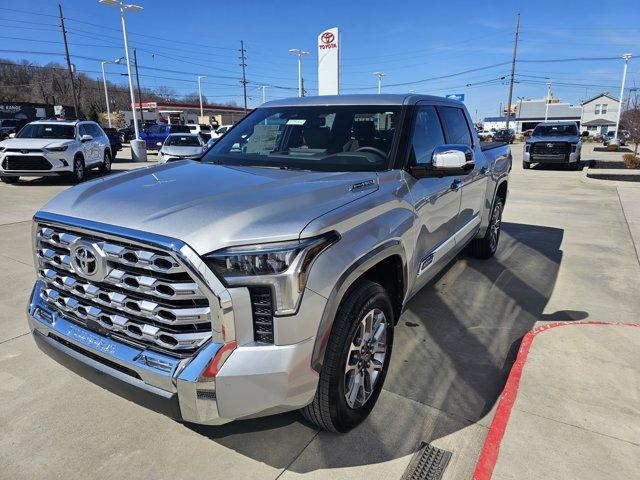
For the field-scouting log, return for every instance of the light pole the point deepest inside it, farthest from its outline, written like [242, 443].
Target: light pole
[379, 75]
[138, 147]
[104, 81]
[264, 92]
[200, 77]
[300, 54]
[626, 58]
[546, 110]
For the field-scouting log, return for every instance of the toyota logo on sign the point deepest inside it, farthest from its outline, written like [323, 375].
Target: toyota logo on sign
[327, 37]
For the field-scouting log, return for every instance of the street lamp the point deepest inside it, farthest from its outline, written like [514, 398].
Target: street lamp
[300, 54]
[626, 58]
[379, 75]
[138, 147]
[104, 81]
[264, 92]
[546, 110]
[200, 77]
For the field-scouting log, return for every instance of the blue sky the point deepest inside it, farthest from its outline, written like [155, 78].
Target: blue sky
[411, 41]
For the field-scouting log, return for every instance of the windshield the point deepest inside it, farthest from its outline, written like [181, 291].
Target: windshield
[555, 130]
[329, 138]
[183, 141]
[47, 130]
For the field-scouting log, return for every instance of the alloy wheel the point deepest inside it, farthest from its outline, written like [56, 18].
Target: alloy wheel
[365, 358]
[494, 228]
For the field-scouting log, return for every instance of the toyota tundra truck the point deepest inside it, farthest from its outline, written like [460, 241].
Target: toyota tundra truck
[270, 274]
[553, 142]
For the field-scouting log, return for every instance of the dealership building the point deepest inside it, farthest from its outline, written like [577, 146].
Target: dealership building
[184, 113]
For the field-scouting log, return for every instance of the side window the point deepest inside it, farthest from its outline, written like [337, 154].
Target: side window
[82, 130]
[94, 130]
[455, 125]
[427, 135]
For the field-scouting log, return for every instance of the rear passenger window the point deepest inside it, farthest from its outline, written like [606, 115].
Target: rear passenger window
[455, 125]
[427, 135]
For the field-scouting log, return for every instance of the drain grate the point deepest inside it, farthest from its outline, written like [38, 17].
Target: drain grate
[428, 463]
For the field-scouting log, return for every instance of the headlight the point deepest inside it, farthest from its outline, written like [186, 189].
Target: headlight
[2, 149]
[57, 149]
[284, 266]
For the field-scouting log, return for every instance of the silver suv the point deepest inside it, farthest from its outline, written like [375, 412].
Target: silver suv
[55, 147]
[269, 275]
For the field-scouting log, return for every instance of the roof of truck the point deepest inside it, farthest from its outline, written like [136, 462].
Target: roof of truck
[367, 99]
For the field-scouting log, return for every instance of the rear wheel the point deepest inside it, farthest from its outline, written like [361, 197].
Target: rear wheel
[9, 179]
[105, 166]
[486, 246]
[356, 361]
[78, 169]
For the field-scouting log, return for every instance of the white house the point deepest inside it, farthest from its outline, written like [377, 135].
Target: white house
[599, 114]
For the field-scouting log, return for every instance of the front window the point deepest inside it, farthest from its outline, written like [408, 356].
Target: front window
[183, 141]
[48, 130]
[329, 138]
[598, 109]
[555, 130]
[604, 108]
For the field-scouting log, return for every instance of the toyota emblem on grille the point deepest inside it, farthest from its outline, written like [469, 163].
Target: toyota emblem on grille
[549, 145]
[25, 151]
[87, 260]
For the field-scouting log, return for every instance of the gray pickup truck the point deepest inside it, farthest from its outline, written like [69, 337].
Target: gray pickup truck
[553, 142]
[269, 275]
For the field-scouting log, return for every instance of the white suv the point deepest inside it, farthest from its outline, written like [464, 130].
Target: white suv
[55, 147]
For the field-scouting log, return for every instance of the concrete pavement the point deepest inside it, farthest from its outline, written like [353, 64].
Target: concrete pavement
[566, 254]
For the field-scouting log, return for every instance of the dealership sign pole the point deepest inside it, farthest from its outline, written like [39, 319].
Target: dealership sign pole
[329, 62]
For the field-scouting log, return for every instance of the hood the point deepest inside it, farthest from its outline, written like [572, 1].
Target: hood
[32, 143]
[559, 138]
[178, 151]
[212, 206]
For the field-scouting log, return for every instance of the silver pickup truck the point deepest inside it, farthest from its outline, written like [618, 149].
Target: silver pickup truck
[269, 275]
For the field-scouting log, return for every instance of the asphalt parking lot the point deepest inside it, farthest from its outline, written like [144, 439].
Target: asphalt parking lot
[566, 253]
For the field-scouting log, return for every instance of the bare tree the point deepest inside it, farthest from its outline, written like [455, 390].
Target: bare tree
[631, 122]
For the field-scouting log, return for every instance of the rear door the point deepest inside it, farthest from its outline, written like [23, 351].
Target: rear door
[436, 200]
[473, 185]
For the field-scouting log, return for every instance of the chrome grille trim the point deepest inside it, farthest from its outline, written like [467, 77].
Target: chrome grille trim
[147, 295]
[118, 323]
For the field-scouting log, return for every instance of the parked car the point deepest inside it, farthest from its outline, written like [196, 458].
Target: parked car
[115, 140]
[55, 147]
[128, 132]
[221, 130]
[527, 133]
[179, 146]
[611, 136]
[155, 135]
[485, 136]
[270, 275]
[203, 130]
[504, 135]
[10, 126]
[553, 142]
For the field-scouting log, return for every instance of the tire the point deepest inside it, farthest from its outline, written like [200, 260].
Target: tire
[105, 166]
[331, 409]
[9, 180]
[486, 246]
[78, 169]
[526, 165]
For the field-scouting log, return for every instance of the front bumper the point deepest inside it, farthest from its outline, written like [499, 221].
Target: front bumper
[60, 165]
[255, 380]
[572, 157]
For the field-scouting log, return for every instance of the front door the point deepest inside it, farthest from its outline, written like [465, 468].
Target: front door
[474, 184]
[603, 129]
[87, 146]
[436, 200]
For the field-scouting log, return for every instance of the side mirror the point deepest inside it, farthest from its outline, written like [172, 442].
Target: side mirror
[446, 160]
[12, 135]
[86, 138]
[159, 144]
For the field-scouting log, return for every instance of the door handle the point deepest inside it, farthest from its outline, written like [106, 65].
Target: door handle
[456, 184]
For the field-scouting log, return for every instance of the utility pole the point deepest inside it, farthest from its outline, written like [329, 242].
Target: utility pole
[135, 62]
[200, 77]
[304, 92]
[243, 64]
[66, 50]
[513, 68]
[546, 108]
[264, 92]
[626, 58]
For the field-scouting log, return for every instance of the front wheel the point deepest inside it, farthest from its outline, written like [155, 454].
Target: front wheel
[486, 246]
[78, 169]
[356, 360]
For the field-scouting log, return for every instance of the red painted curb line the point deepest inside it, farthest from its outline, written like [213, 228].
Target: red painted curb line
[491, 448]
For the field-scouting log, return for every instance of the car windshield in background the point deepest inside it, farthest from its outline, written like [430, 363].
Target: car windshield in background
[328, 138]
[183, 141]
[47, 130]
[555, 130]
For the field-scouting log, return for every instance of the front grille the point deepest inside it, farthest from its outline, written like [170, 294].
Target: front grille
[25, 162]
[262, 309]
[144, 297]
[551, 148]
